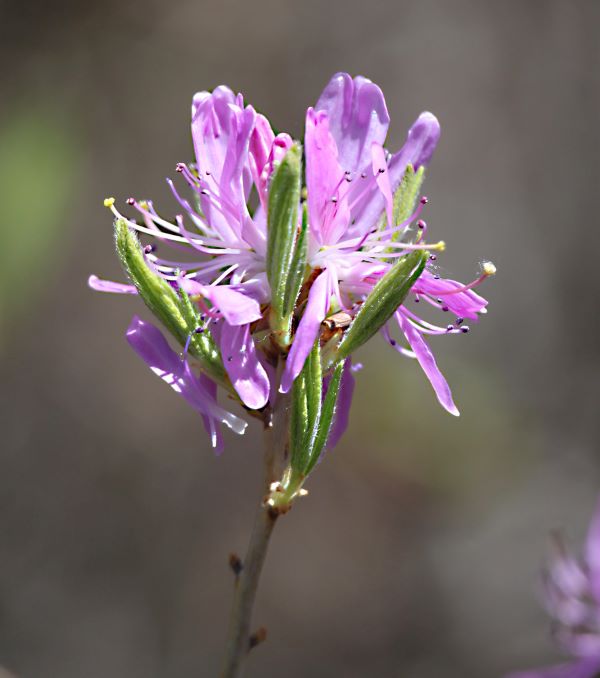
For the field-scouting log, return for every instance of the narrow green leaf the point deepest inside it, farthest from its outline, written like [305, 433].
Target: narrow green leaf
[282, 223]
[306, 397]
[326, 419]
[405, 197]
[175, 312]
[297, 268]
[298, 423]
[384, 299]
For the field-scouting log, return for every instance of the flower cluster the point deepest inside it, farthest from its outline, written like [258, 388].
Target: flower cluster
[571, 592]
[258, 270]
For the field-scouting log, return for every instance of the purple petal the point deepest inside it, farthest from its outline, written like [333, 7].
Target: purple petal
[308, 329]
[467, 304]
[236, 308]
[266, 150]
[592, 553]
[383, 179]
[427, 362]
[357, 117]
[328, 210]
[417, 150]
[420, 143]
[342, 408]
[221, 131]
[213, 430]
[100, 285]
[247, 375]
[149, 343]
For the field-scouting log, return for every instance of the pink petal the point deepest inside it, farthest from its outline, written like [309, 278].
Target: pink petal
[100, 285]
[383, 179]
[247, 375]
[427, 361]
[328, 209]
[236, 308]
[357, 117]
[308, 329]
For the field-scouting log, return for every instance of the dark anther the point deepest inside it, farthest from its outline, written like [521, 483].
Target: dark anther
[381, 170]
[149, 248]
[334, 200]
[199, 330]
[421, 224]
[464, 329]
[235, 563]
[460, 321]
[229, 358]
[130, 201]
[445, 309]
[392, 342]
[439, 301]
[424, 200]
[432, 257]
[363, 175]
[450, 328]
[436, 277]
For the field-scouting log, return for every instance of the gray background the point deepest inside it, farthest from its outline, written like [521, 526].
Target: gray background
[417, 551]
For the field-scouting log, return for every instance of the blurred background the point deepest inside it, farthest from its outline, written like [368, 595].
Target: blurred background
[417, 552]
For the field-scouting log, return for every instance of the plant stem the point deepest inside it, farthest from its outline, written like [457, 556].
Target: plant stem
[238, 639]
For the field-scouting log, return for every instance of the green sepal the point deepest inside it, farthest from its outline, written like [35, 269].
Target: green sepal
[406, 195]
[326, 419]
[175, 311]
[282, 225]
[383, 300]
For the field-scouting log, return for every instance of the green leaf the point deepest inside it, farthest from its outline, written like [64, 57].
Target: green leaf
[306, 411]
[384, 299]
[297, 268]
[326, 419]
[176, 313]
[282, 224]
[405, 197]
[298, 423]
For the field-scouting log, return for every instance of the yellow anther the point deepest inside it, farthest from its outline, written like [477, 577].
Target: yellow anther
[488, 268]
[439, 246]
[109, 202]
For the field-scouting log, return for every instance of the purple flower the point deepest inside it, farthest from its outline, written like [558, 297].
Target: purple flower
[350, 182]
[571, 590]
[215, 249]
